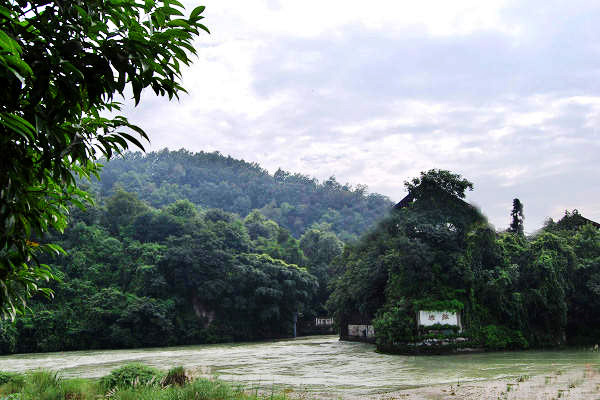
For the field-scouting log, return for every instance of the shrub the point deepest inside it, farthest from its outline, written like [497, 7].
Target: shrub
[13, 396]
[10, 384]
[175, 376]
[43, 380]
[6, 377]
[80, 389]
[40, 385]
[131, 375]
[393, 325]
[501, 338]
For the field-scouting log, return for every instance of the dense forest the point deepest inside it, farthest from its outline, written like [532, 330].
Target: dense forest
[437, 252]
[153, 263]
[185, 248]
[211, 180]
[138, 276]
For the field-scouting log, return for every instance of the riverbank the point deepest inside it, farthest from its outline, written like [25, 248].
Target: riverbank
[577, 384]
[573, 385]
[140, 382]
[322, 367]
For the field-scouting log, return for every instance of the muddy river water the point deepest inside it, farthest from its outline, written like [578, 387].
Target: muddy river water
[316, 363]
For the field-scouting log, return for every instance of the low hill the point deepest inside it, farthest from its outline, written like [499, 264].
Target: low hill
[212, 180]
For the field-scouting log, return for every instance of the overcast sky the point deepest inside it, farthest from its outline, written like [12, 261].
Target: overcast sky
[505, 93]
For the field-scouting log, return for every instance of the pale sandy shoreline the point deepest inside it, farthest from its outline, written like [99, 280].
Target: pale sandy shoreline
[574, 384]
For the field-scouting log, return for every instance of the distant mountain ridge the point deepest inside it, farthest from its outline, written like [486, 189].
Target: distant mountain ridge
[212, 180]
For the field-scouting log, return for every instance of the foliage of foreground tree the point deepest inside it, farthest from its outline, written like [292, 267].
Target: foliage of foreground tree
[61, 65]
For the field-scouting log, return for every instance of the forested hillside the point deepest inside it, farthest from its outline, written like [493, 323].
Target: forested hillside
[211, 180]
[439, 253]
[154, 268]
[185, 248]
[138, 276]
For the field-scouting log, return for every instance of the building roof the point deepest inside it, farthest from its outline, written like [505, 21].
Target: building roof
[405, 202]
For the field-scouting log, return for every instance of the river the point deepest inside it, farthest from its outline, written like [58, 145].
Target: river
[316, 363]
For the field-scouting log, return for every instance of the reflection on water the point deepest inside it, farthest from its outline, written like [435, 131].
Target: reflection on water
[319, 363]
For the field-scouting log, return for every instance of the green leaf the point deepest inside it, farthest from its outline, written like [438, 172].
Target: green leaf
[131, 139]
[55, 248]
[168, 11]
[18, 125]
[179, 23]
[71, 68]
[71, 58]
[138, 130]
[148, 5]
[196, 12]
[204, 28]
[174, 2]
[9, 44]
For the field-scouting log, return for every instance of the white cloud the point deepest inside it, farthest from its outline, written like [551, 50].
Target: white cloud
[311, 18]
[376, 93]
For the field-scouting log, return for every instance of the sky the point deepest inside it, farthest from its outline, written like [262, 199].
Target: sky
[505, 93]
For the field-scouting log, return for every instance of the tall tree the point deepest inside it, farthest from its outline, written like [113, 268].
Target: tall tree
[516, 224]
[61, 65]
[438, 180]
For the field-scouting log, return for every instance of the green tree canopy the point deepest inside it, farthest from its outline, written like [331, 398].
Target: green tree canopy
[438, 180]
[435, 249]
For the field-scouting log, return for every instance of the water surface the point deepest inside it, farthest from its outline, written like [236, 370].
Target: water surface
[316, 363]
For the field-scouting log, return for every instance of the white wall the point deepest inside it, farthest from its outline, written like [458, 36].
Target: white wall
[428, 318]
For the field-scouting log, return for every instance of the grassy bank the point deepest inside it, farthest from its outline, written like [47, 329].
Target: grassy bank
[130, 382]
